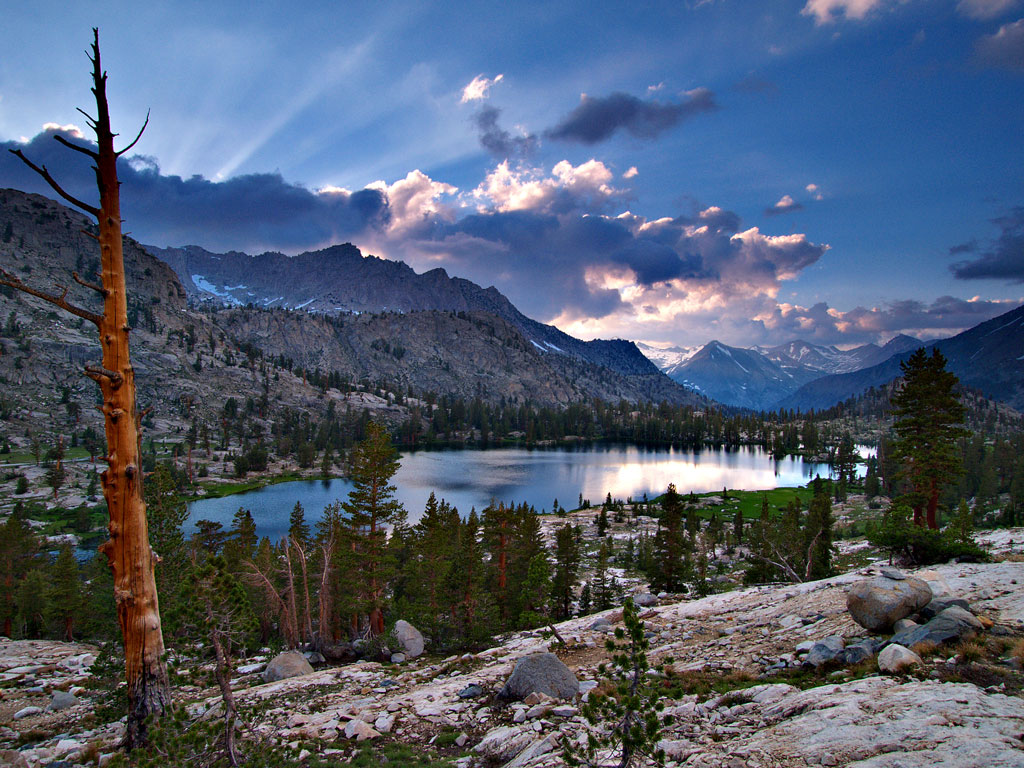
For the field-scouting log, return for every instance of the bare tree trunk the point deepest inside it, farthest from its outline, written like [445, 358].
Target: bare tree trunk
[287, 627]
[293, 615]
[307, 618]
[128, 551]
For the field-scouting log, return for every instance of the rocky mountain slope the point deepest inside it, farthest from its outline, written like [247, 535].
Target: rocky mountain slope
[189, 361]
[341, 280]
[958, 709]
[988, 357]
[760, 377]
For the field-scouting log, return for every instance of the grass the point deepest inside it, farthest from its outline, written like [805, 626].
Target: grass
[216, 489]
[749, 502]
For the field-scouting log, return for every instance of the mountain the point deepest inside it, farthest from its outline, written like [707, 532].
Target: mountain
[759, 377]
[988, 357]
[744, 378]
[667, 359]
[189, 360]
[341, 280]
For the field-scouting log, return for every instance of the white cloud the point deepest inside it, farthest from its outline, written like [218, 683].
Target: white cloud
[631, 172]
[985, 9]
[479, 88]
[814, 191]
[71, 128]
[827, 11]
[508, 189]
[415, 200]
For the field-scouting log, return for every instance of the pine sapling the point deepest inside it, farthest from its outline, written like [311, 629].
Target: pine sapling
[626, 722]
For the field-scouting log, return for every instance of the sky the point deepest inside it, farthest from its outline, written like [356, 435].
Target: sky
[838, 171]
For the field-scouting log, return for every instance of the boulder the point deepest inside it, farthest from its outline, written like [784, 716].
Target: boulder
[824, 651]
[341, 652]
[27, 712]
[504, 743]
[359, 730]
[895, 658]
[61, 700]
[951, 625]
[876, 604]
[409, 638]
[855, 654]
[397, 658]
[13, 758]
[471, 691]
[645, 600]
[939, 604]
[540, 673]
[285, 665]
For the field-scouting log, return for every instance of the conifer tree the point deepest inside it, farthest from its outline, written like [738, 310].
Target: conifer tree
[928, 419]
[32, 599]
[567, 563]
[19, 553]
[65, 594]
[298, 529]
[670, 566]
[371, 508]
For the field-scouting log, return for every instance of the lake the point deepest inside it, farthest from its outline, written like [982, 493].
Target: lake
[470, 478]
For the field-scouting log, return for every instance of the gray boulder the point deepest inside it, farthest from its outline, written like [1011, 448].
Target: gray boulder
[409, 638]
[540, 673]
[939, 604]
[876, 604]
[951, 625]
[824, 651]
[62, 700]
[645, 600]
[896, 658]
[285, 665]
[339, 652]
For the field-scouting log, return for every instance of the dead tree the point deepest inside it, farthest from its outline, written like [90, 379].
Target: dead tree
[128, 551]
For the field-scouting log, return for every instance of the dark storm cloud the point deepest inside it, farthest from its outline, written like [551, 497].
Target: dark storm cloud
[497, 140]
[1003, 259]
[1004, 49]
[252, 212]
[596, 119]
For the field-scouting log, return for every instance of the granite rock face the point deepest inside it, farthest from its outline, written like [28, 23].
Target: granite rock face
[876, 604]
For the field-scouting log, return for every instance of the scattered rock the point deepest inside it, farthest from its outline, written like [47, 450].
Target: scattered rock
[27, 712]
[504, 742]
[645, 600]
[397, 658]
[409, 638]
[541, 673]
[359, 730]
[903, 624]
[13, 758]
[876, 604]
[824, 651]
[384, 723]
[341, 652]
[896, 658]
[285, 665]
[939, 604]
[61, 700]
[951, 625]
[471, 691]
[314, 657]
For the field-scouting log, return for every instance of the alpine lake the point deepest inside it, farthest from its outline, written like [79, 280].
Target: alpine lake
[468, 478]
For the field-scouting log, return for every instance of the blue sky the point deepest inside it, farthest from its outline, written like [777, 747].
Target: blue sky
[835, 170]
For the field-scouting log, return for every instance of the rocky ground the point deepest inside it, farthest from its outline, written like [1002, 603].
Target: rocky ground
[742, 692]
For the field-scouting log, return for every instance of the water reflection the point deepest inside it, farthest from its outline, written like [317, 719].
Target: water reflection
[472, 478]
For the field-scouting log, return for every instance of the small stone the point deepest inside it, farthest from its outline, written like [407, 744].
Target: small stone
[896, 658]
[359, 730]
[61, 700]
[384, 723]
[461, 739]
[397, 658]
[27, 712]
[471, 691]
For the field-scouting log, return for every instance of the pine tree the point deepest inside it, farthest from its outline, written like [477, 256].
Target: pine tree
[927, 421]
[65, 593]
[818, 538]
[298, 529]
[19, 553]
[371, 508]
[567, 563]
[670, 566]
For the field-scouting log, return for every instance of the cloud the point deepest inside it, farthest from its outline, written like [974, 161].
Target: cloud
[585, 187]
[252, 212]
[596, 119]
[1004, 49]
[785, 205]
[828, 11]
[1003, 259]
[985, 9]
[479, 88]
[497, 140]
[632, 172]
[415, 202]
[815, 191]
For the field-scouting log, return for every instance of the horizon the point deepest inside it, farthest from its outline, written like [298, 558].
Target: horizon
[836, 171]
